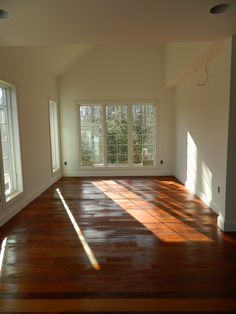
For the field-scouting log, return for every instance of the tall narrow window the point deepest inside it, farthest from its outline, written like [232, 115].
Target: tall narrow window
[55, 153]
[143, 134]
[117, 135]
[10, 145]
[91, 135]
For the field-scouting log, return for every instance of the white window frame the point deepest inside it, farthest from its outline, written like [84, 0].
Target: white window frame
[15, 153]
[129, 103]
[54, 136]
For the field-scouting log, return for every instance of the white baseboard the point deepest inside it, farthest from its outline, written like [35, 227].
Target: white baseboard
[228, 226]
[213, 205]
[203, 197]
[16, 207]
[117, 173]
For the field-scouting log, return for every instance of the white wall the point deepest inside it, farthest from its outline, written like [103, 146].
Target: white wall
[34, 84]
[177, 66]
[117, 72]
[202, 129]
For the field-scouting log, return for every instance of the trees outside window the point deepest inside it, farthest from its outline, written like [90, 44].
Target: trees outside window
[117, 134]
[143, 131]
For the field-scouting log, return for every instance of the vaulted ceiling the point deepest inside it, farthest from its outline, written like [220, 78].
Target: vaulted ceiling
[40, 22]
[60, 32]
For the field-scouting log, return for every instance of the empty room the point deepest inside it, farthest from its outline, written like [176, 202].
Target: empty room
[117, 129]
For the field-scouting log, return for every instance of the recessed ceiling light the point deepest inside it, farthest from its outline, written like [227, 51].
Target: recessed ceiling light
[3, 14]
[219, 8]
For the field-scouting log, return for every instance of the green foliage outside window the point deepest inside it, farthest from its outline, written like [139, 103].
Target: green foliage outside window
[116, 132]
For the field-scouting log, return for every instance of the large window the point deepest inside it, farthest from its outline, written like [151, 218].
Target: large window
[117, 135]
[11, 179]
[53, 119]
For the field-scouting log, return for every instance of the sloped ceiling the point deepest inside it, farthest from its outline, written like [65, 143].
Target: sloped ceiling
[66, 30]
[58, 58]
[40, 22]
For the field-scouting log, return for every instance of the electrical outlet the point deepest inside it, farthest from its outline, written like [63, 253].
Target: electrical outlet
[161, 162]
[65, 163]
[218, 189]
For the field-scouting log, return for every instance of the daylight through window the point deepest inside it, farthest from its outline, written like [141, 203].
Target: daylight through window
[117, 135]
[10, 146]
[53, 118]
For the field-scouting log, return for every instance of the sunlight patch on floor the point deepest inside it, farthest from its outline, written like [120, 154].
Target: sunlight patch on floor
[84, 243]
[162, 224]
[3, 248]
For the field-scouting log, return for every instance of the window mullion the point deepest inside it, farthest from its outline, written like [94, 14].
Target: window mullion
[130, 138]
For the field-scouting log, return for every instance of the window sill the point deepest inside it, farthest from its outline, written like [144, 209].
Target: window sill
[12, 197]
[99, 167]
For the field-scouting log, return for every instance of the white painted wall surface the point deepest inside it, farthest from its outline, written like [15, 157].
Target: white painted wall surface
[179, 58]
[202, 130]
[117, 72]
[34, 84]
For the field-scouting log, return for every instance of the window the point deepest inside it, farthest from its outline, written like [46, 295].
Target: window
[117, 134]
[143, 133]
[10, 145]
[53, 119]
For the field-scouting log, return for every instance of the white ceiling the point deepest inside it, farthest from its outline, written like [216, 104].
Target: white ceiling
[82, 22]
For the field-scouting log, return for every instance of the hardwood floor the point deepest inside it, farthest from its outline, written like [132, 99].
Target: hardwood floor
[134, 245]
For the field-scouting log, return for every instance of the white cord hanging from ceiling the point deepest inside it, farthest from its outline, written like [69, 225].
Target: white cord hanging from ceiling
[206, 71]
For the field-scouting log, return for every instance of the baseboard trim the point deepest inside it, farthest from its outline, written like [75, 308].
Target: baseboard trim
[213, 205]
[228, 226]
[10, 212]
[117, 173]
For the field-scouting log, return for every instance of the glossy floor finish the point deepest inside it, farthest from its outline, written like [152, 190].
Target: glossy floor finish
[112, 245]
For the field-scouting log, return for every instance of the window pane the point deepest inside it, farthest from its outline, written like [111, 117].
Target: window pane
[91, 135]
[8, 161]
[148, 139]
[3, 115]
[143, 133]
[122, 159]
[117, 134]
[3, 97]
[4, 131]
[10, 148]
[137, 159]
[53, 118]
[7, 183]
[5, 149]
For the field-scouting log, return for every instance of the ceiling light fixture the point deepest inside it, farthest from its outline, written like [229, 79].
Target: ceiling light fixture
[3, 14]
[219, 8]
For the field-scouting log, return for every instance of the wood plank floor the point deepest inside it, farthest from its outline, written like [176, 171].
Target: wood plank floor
[112, 245]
